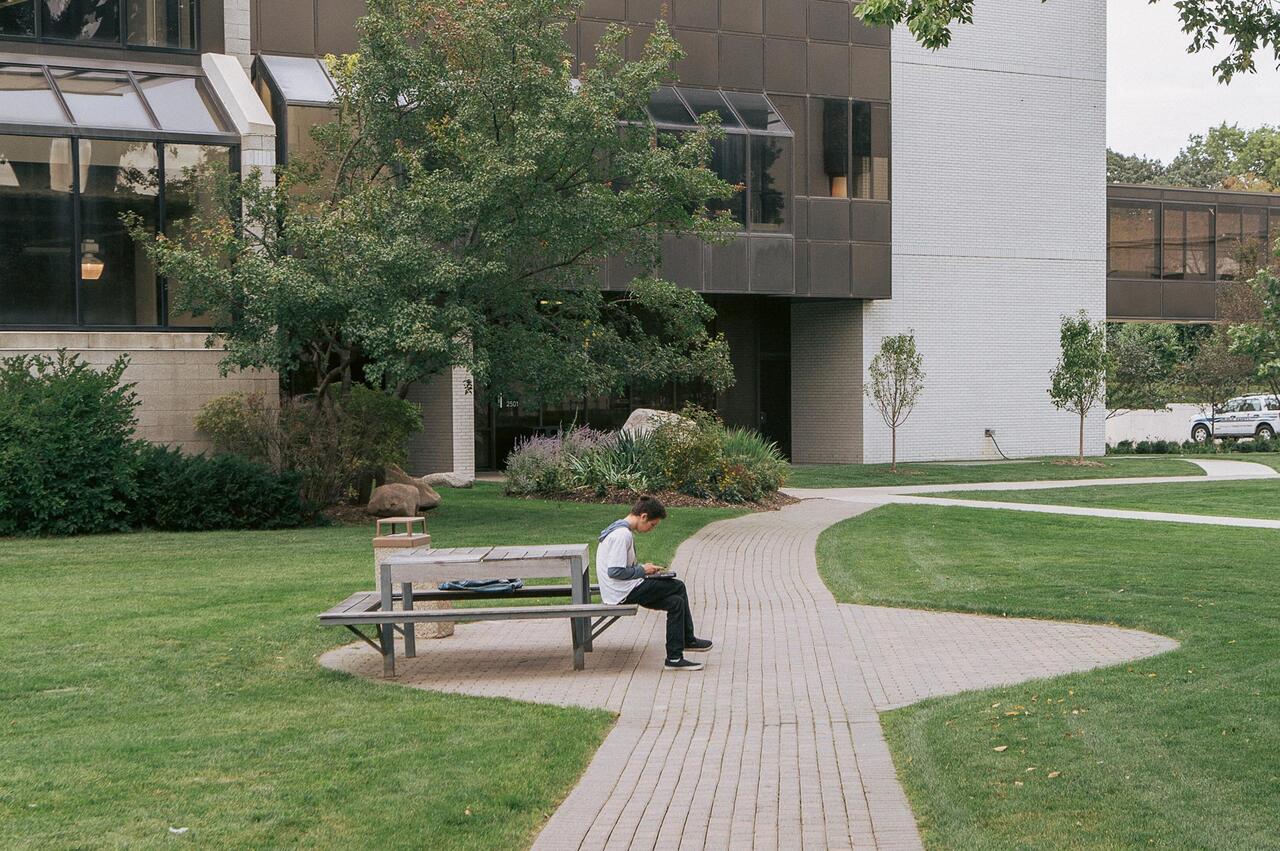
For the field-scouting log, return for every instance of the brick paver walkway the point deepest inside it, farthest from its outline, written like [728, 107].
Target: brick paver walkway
[777, 743]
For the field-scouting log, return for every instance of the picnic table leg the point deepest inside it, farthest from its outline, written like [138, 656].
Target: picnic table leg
[581, 582]
[386, 630]
[388, 642]
[406, 603]
[579, 656]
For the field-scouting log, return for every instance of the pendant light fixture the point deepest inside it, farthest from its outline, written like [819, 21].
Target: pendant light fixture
[90, 265]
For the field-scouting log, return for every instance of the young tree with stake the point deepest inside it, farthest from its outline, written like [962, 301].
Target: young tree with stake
[896, 382]
[1078, 382]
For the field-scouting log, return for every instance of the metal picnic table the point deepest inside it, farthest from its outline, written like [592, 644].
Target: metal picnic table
[435, 565]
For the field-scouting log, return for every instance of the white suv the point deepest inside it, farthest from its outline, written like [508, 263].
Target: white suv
[1246, 416]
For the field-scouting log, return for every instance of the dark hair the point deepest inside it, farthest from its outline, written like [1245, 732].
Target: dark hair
[650, 507]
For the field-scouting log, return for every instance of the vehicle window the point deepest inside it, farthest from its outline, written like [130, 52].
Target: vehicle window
[1250, 405]
[1229, 407]
[1273, 404]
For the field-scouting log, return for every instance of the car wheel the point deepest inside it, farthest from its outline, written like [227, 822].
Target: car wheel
[1200, 434]
[1265, 432]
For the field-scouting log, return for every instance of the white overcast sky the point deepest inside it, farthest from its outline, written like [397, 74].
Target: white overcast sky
[1158, 94]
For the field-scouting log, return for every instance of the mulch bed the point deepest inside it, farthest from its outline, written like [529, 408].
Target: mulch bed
[671, 499]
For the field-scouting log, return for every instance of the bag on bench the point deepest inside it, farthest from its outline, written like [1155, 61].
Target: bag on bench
[489, 586]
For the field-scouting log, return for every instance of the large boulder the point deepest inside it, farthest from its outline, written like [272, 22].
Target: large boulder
[427, 496]
[448, 480]
[645, 420]
[394, 500]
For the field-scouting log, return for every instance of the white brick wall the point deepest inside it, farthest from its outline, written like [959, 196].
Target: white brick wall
[174, 372]
[236, 26]
[447, 442]
[999, 205]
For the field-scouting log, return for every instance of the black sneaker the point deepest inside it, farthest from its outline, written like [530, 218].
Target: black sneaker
[698, 645]
[682, 664]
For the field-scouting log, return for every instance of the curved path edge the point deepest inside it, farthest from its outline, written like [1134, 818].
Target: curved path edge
[777, 743]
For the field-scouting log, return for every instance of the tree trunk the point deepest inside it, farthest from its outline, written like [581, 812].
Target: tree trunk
[893, 452]
[1080, 459]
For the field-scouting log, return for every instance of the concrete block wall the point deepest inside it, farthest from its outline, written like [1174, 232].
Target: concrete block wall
[447, 442]
[175, 375]
[826, 382]
[999, 223]
[237, 23]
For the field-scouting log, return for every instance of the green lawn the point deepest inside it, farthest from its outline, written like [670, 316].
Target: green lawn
[1179, 751]
[878, 475]
[1259, 498]
[151, 681]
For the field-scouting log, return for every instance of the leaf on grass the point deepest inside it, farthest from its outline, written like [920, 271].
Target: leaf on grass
[1030, 769]
[1053, 774]
[1000, 748]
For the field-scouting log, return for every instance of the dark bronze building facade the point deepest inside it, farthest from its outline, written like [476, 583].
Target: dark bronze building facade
[1170, 250]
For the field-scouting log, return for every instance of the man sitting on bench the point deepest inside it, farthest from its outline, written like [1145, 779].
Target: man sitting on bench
[624, 580]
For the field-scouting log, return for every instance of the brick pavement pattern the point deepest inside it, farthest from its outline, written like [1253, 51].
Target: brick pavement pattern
[777, 743]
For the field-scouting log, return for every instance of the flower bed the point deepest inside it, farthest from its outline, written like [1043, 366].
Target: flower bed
[694, 457]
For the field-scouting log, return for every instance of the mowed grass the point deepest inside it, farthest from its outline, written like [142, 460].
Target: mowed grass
[879, 475]
[1259, 498]
[1178, 751]
[151, 681]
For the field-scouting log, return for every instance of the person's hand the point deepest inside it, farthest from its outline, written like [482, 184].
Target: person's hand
[651, 569]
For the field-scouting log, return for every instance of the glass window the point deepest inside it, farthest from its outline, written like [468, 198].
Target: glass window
[1188, 242]
[118, 280]
[36, 231]
[702, 101]
[1273, 404]
[102, 99]
[25, 96]
[1228, 219]
[665, 107]
[756, 112]
[880, 151]
[80, 20]
[829, 148]
[1250, 405]
[186, 195]
[161, 23]
[860, 183]
[300, 79]
[18, 17]
[729, 161]
[770, 181]
[180, 103]
[1131, 240]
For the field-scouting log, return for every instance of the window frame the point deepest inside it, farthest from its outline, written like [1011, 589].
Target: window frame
[157, 136]
[787, 227]
[122, 43]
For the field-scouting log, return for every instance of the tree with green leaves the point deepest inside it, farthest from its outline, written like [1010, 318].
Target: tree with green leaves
[1259, 340]
[458, 211]
[1214, 372]
[1245, 26]
[1132, 168]
[1229, 157]
[1142, 366]
[1077, 382]
[897, 379]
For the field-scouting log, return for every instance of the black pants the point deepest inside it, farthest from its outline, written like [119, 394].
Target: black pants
[667, 595]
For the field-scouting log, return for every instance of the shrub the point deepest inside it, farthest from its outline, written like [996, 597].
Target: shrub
[689, 453]
[188, 493]
[537, 466]
[755, 466]
[330, 443]
[67, 451]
